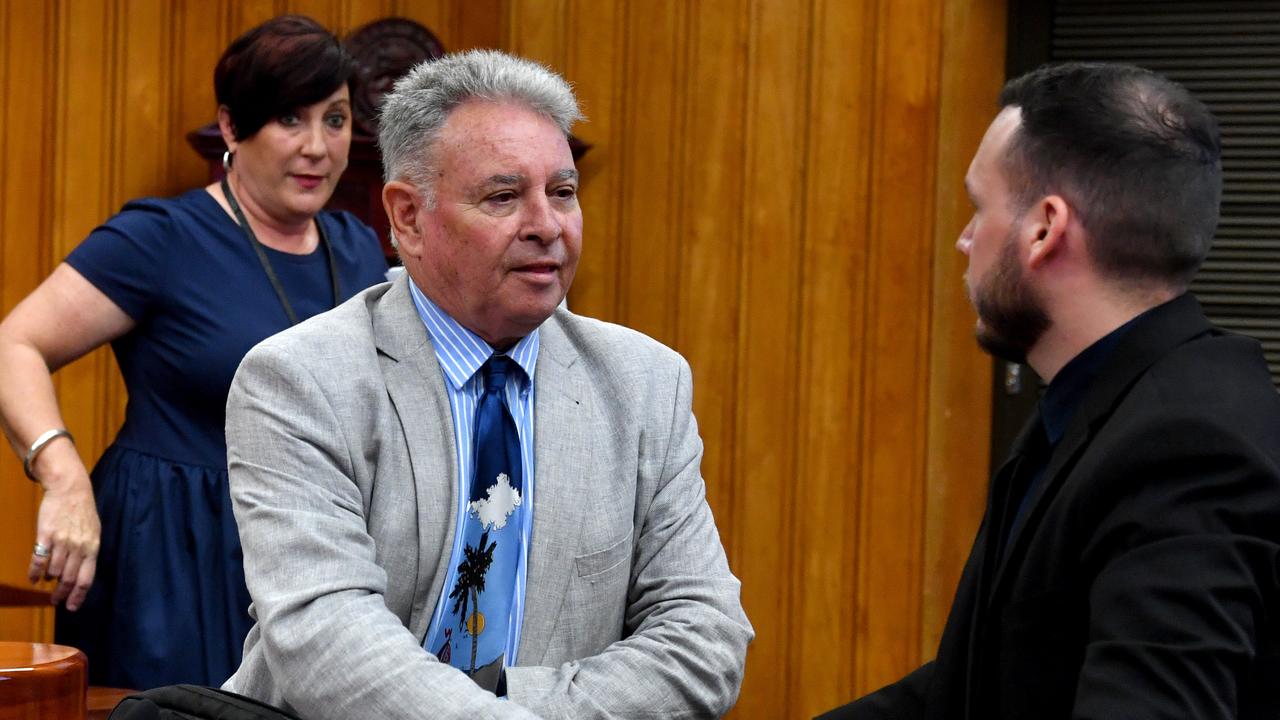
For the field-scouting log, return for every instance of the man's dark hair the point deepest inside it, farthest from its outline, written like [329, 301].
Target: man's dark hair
[1136, 156]
[286, 63]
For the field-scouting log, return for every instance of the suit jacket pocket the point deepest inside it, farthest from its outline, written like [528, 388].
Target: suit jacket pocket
[596, 605]
[602, 561]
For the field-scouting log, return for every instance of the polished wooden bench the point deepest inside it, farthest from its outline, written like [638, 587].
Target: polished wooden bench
[39, 681]
[97, 702]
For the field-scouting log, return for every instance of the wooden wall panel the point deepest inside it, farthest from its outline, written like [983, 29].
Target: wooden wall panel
[355, 14]
[959, 394]
[813, 287]
[833, 324]
[27, 41]
[774, 189]
[478, 24]
[653, 142]
[768, 269]
[438, 15]
[899, 237]
[327, 12]
[245, 14]
[199, 33]
[711, 222]
[86, 178]
[595, 48]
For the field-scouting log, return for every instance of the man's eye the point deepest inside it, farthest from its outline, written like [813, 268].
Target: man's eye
[567, 192]
[502, 198]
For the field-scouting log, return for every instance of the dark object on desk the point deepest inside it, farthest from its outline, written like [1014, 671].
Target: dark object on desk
[192, 702]
[384, 50]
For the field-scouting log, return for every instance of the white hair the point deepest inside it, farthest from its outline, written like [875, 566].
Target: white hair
[415, 111]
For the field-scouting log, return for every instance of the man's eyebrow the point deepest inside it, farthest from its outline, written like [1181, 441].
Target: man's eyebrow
[503, 180]
[493, 180]
[498, 181]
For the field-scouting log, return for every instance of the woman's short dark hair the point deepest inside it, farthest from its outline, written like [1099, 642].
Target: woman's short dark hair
[1136, 156]
[283, 64]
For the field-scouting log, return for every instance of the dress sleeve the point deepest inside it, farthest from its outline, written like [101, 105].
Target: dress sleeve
[126, 257]
[358, 251]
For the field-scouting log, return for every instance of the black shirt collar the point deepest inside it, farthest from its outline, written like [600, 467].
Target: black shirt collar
[1069, 386]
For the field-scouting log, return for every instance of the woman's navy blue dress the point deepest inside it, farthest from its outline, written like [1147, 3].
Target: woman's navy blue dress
[169, 603]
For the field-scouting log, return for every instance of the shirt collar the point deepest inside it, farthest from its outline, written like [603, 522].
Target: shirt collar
[461, 352]
[1069, 386]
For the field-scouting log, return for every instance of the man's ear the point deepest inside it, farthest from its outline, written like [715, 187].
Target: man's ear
[226, 128]
[1047, 221]
[403, 203]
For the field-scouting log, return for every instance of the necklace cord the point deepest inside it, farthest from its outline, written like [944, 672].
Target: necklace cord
[266, 262]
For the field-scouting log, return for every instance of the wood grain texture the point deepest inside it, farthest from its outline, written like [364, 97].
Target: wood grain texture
[27, 41]
[711, 222]
[959, 391]
[895, 385]
[833, 324]
[773, 190]
[798, 151]
[596, 44]
[768, 272]
[439, 16]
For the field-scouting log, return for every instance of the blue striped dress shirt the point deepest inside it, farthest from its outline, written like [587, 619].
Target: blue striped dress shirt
[461, 354]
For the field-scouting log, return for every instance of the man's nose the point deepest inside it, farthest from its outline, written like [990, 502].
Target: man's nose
[964, 243]
[541, 223]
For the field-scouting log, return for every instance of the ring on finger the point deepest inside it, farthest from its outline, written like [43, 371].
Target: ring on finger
[40, 551]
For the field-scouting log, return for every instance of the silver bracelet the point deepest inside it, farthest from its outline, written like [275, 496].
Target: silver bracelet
[45, 438]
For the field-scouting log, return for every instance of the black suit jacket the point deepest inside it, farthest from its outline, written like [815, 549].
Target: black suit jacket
[1143, 581]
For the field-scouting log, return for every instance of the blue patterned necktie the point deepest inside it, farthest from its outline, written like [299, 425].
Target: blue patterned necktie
[483, 588]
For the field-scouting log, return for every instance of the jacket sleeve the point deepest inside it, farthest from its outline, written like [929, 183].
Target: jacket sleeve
[903, 700]
[686, 635]
[1186, 564]
[333, 648]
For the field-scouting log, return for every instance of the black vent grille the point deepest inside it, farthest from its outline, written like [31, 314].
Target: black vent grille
[1228, 54]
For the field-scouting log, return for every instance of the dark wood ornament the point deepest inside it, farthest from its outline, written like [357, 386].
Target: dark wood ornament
[384, 52]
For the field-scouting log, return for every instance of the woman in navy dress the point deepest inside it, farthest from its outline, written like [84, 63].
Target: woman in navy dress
[146, 552]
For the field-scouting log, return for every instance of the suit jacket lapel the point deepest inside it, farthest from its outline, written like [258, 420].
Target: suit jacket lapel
[415, 384]
[989, 534]
[562, 421]
[1151, 338]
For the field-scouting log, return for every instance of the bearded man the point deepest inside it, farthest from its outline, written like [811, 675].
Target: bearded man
[1127, 563]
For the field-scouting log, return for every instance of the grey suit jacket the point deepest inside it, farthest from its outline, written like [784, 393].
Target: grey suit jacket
[343, 474]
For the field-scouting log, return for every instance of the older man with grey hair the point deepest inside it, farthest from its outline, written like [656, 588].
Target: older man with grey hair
[457, 499]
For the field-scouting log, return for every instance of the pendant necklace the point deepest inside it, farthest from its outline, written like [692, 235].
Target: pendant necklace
[266, 262]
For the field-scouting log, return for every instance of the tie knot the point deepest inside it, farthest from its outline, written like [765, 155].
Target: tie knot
[496, 369]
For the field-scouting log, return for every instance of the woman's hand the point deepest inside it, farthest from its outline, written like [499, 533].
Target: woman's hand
[61, 320]
[68, 526]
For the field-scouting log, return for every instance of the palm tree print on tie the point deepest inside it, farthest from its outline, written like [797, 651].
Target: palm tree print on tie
[471, 572]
